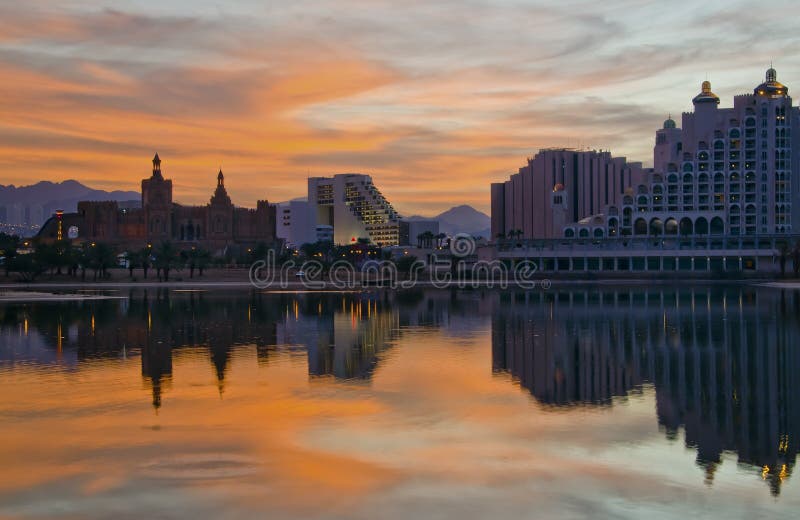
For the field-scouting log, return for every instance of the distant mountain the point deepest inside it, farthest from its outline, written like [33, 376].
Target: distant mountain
[34, 204]
[461, 219]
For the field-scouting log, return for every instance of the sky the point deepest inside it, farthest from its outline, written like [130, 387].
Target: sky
[435, 99]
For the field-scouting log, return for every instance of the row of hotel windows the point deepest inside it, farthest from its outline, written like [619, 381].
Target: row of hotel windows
[686, 226]
[656, 227]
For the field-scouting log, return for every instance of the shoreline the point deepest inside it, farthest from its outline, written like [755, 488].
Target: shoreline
[549, 284]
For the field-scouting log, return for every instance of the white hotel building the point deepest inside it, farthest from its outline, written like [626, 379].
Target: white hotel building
[723, 194]
[354, 207]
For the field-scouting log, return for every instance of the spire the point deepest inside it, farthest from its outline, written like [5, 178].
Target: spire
[157, 166]
[221, 194]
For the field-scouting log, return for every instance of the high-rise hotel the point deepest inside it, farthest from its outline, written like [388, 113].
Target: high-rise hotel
[725, 171]
[355, 208]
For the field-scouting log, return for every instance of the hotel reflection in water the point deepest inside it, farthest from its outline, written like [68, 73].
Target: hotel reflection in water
[719, 364]
[722, 362]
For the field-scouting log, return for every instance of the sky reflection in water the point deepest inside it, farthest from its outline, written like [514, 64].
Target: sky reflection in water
[601, 402]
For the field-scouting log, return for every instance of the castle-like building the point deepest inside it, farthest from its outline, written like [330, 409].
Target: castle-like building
[725, 171]
[722, 195]
[214, 226]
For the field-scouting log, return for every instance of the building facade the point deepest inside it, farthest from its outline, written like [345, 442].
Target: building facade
[557, 187]
[214, 226]
[295, 223]
[354, 207]
[725, 171]
[722, 196]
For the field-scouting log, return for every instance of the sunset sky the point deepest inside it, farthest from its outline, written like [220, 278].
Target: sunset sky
[434, 99]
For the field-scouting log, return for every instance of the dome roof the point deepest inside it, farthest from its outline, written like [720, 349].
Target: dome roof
[705, 95]
[771, 87]
[558, 187]
[669, 123]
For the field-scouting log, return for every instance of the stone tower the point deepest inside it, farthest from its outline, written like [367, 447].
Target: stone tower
[157, 205]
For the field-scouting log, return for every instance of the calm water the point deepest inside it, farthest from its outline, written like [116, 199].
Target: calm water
[604, 403]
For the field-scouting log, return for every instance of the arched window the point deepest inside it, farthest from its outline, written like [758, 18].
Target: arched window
[687, 167]
[734, 133]
[671, 226]
[701, 226]
[686, 227]
[598, 233]
[613, 224]
[672, 179]
[640, 228]
[656, 227]
[688, 178]
[717, 226]
[583, 233]
[569, 233]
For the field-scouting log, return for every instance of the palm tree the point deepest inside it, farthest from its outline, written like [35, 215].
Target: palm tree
[427, 239]
[166, 257]
[440, 239]
[99, 257]
[202, 258]
[145, 254]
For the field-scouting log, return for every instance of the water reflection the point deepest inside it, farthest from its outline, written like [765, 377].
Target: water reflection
[724, 363]
[342, 334]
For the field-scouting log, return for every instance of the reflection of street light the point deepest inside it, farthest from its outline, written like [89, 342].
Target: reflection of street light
[93, 244]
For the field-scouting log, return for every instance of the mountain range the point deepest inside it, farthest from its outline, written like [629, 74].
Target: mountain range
[22, 204]
[461, 219]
